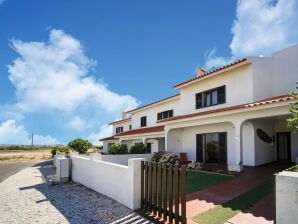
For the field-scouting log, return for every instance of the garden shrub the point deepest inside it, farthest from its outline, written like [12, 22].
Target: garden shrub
[118, 149]
[157, 156]
[138, 148]
[80, 145]
[166, 157]
[194, 165]
[60, 149]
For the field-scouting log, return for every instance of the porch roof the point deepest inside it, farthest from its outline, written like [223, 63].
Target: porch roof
[237, 107]
[160, 128]
[142, 131]
[108, 138]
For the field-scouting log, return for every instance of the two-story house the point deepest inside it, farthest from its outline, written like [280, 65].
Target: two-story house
[234, 115]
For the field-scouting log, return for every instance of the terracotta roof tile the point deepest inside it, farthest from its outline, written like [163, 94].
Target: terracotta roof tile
[108, 138]
[152, 103]
[142, 130]
[242, 106]
[120, 121]
[210, 73]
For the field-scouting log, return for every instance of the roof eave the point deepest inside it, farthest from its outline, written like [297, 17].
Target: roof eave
[198, 79]
[147, 106]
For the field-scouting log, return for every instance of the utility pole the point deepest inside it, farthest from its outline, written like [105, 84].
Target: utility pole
[32, 141]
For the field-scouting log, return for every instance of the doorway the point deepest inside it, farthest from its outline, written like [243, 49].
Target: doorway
[149, 147]
[283, 146]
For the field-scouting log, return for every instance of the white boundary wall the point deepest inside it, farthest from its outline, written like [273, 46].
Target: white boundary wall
[287, 197]
[121, 183]
[123, 159]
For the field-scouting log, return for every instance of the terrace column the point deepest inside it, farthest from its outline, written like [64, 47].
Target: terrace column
[237, 164]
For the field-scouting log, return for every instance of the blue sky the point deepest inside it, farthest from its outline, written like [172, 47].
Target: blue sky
[68, 68]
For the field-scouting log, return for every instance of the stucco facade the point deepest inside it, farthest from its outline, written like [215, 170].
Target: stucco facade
[245, 102]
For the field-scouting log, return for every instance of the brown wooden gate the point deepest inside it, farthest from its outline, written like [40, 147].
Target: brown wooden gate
[163, 191]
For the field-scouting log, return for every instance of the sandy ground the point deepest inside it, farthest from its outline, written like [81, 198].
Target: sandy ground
[25, 155]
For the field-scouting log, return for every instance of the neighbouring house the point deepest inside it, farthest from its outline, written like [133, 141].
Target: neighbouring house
[234, 115]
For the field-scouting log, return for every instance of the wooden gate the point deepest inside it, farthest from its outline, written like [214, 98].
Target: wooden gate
[163, 191]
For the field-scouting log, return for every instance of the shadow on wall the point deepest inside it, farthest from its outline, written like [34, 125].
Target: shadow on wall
[79, 204]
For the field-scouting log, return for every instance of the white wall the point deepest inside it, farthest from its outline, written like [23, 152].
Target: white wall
[184, 139]
[264, 152]
[248, 144]
[286, 197]
[151, 113]
[238, 90]
[154, 145]
[123, 159]
[174, 140]
[108, 178]
[262, 78]
[125, 126]
[285, 70]
[276, 75]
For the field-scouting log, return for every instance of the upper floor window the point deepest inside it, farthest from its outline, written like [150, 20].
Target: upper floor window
[211, 97]
[165, 114]
[130, 127]
[143, 121]
[119, 130]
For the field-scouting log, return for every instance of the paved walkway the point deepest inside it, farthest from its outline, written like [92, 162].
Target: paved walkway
[26, 197]
[260, 213]
[9, 168]
[201, 201]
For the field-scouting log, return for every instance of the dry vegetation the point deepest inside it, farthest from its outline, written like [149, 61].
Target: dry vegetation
[24, 153]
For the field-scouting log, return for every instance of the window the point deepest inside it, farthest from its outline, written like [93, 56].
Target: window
[130, 127]
[165, 114]
[143, 121]
[119, 130]
[211, 97]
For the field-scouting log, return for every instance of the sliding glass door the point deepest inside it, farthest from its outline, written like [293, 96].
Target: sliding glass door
[212, 147]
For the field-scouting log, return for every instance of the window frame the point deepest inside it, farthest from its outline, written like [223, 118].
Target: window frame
[168, 113]
[143, 121]
[201, 100]
[119, 129]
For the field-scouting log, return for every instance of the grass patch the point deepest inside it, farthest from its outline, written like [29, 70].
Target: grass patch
[197, 181]
[222, 213]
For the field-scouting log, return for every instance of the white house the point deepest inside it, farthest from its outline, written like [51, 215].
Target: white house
[234, 115]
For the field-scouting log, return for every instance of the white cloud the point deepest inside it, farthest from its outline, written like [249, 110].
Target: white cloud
[260, 28]
[78, 123]
[12, 133]
[55, 76]
[104, 131]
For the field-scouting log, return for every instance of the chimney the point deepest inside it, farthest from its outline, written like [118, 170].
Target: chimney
[123, 115]
[200, 72]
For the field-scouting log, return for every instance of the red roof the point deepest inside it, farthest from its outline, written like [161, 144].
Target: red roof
[211, 72]
[120, 121]
[152, 103]
[108, 138]
[242, 106]
[142, 131]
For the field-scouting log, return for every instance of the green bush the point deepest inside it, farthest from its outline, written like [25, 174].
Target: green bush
[60, 149]
[138, 148]
[166, 157]
[80, 145]
[118, 149]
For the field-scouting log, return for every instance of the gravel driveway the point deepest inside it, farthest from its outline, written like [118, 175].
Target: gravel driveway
[26, 197]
